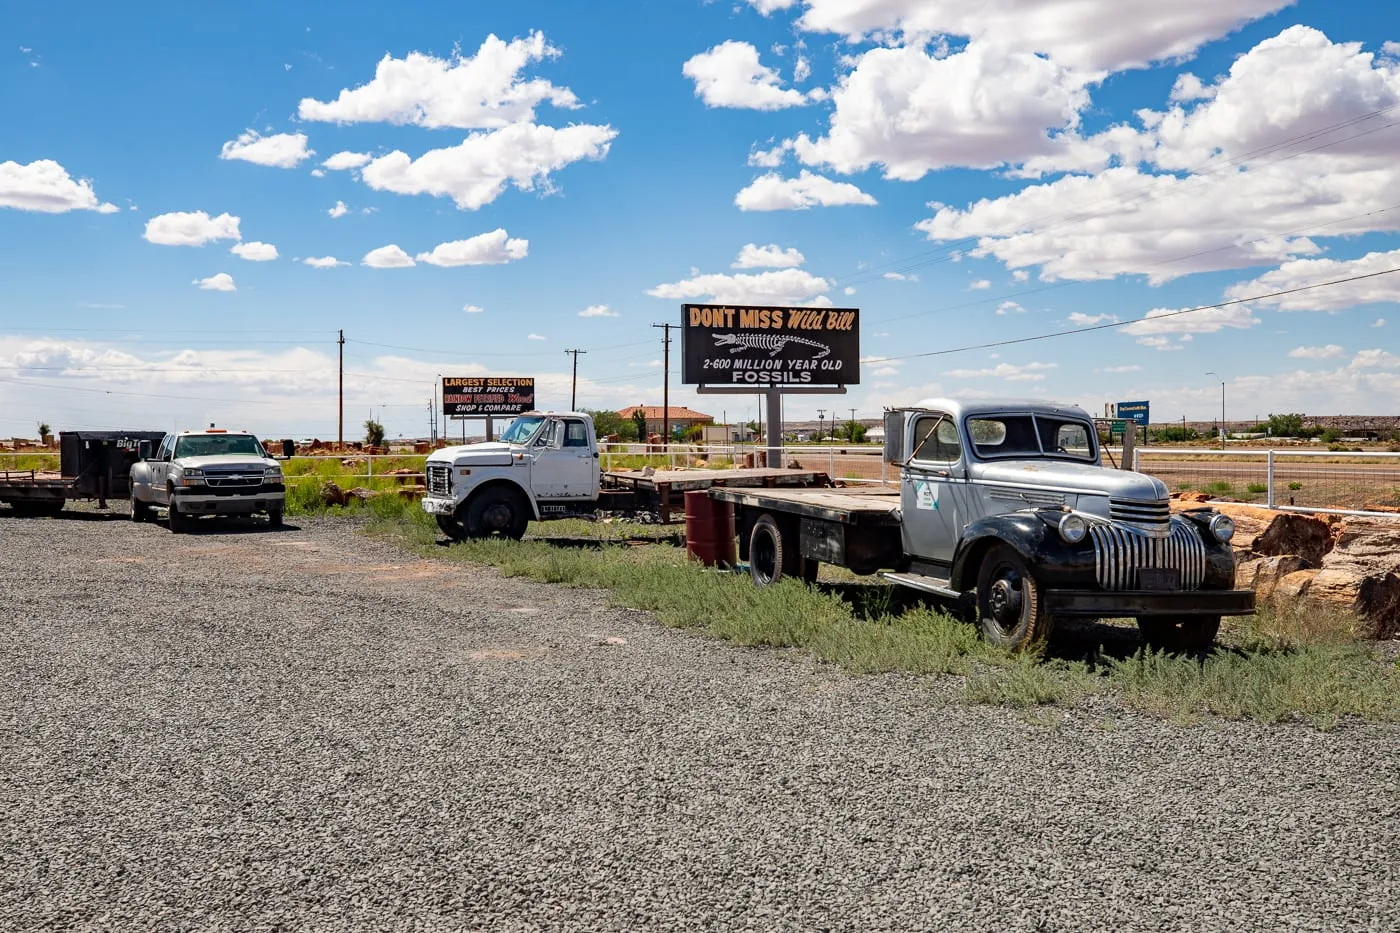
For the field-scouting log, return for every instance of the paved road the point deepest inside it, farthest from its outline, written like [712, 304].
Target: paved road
[308, 730]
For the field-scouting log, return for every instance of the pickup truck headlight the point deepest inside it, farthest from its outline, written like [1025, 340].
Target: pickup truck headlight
[1073, 528]
[1222, 527]
[272, 474]
[191, 477]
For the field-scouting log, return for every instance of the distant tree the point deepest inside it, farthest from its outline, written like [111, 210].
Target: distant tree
[374, 433]
[639, 424]
[693, 434]
[1175, 433]
[44, 429]
[605, 422]
[1331, 435]
[1290, 425]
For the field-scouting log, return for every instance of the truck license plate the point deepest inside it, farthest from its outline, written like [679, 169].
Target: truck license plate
[1159, 579]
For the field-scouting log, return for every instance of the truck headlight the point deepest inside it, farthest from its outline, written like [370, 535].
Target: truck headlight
[1222, 527]
[191, 477]
[272, 473]
[1073, 528]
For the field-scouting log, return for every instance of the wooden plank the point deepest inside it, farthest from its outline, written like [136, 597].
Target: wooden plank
[846, 505]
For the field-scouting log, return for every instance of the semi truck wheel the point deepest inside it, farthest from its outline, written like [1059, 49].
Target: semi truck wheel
[140, 511]
[1009, 610]
[498, 512]
[1179, 633]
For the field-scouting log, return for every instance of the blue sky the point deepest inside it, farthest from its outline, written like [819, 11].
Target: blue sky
[510, 181]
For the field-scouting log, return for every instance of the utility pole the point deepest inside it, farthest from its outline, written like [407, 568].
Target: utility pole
[340, 420]
[573, 389]
[666, 387]
[821, 419]
[853, 426]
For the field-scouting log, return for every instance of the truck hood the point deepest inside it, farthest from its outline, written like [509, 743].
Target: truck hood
[226, 461]
[490, 453]
[1065, 476]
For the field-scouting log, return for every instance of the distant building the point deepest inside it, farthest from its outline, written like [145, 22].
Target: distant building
[655, 415]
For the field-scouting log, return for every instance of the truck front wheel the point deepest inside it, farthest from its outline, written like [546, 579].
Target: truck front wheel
[453, 527]
[1009, 609]
[1179, 633]
[178, 522]
[498, 512]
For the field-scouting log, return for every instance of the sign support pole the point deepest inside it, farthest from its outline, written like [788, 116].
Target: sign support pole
[775, 427]
[490, 429]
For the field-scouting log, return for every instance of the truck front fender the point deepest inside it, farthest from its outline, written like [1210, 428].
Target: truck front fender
[1053, 561]
[500, 483]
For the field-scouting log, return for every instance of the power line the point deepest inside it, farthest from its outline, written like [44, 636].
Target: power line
[1138, 320]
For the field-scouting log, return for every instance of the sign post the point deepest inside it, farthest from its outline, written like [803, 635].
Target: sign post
[466, 397]
[768, 350]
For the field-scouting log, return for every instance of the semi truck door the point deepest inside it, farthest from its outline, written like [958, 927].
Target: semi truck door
[932, 492]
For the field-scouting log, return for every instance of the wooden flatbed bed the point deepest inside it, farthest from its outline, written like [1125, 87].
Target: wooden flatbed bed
[790, 531]
[667, 488]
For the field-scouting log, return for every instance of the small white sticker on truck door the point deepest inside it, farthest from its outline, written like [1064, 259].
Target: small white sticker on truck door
[926, 496]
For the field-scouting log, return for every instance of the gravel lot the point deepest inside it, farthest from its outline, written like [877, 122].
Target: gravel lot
[306, 729]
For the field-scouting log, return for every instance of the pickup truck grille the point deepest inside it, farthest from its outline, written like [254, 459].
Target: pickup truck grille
[1151, 515]
[233, 478]
[1119, 553]
[439, 479]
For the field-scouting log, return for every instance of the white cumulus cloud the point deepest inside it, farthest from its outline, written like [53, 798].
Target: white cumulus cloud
[486, 249]
[387, 257]
[1204, 321]
[730, 75]
[475, 172]
[772, 192]
[339, 210]
[1031, 372]
[535, 337]
[772, 256]
[779, 287]
[323, 262]
[1329, 352]
[598, 311]
[191, 228]
[473, 309]
[1383, 286]
[344, 161]
[219, 282]
[484, 90]
[46, 186]
[284, 150]
[253, 251]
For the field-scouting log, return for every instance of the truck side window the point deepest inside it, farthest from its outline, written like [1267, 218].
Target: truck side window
[550, 435]
[575, 434]
[936, 439]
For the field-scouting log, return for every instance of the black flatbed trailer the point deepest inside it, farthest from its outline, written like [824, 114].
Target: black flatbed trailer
[856, 527]
[92, 465]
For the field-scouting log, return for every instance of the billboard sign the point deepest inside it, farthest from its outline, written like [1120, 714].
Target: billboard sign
[766, 346]
[1135, 412]
[479, 396]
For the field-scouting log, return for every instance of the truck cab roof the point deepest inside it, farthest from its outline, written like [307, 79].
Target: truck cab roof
[959, 407]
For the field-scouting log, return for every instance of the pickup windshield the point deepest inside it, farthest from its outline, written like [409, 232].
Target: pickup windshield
[521, 430]
[214, 445]
[997, 436]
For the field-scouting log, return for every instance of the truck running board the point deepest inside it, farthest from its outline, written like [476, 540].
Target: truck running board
[917, 581]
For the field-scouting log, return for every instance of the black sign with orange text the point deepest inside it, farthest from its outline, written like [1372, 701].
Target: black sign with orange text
[762, 346]
[465, 396]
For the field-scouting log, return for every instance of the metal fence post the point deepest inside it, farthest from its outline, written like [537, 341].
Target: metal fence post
[369, 465]
[1270, 479]
[831, 463]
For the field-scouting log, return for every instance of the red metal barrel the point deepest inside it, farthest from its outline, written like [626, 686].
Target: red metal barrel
[709, 529]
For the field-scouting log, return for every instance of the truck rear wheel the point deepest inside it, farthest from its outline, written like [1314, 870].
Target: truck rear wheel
[498, 512]
[773, 556]
[1179, 633]
[1009, 609]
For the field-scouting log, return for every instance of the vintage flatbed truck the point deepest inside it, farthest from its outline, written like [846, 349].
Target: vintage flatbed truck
[92, 465]
[546, 466]
[1005, 510]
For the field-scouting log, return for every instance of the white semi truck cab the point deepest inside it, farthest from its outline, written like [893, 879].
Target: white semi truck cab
[545, 465]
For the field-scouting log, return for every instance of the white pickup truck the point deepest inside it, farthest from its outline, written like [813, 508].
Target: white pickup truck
[209, 472]
[545, 465]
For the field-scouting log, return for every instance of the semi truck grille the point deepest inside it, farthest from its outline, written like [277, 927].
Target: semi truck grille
[1153, 516]
[1119, 553]
[439, 479]
[227, 480]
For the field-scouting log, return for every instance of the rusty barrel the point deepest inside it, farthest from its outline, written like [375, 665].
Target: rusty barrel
[709, 529]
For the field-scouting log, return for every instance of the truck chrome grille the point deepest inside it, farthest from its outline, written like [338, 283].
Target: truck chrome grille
[1152, 516]
[439, 479]
[231, 478]
[1028, 497]
[1119, 553]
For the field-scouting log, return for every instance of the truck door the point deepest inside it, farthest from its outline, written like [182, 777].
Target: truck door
[160, 469]
[563, 463]
[933, 489]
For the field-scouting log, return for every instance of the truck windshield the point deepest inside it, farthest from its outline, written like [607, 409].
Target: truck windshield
[213, 445]
[997, 436]
[521, 430]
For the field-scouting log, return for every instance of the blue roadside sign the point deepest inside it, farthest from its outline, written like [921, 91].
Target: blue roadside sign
[1133, 411]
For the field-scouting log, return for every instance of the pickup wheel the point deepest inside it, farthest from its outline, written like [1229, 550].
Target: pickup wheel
[498, 512]
[772, 556]
[140, 511]
[175, 519]
[274, 518]
[1179, 633]
[1009, 609]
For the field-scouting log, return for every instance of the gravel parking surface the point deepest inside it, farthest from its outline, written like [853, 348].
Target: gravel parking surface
[308, 730]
